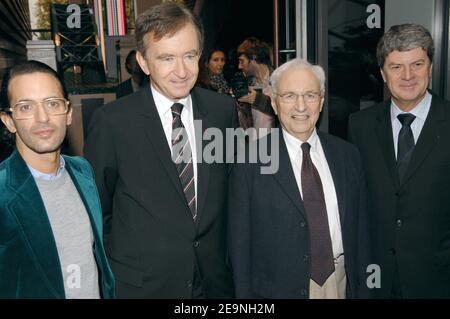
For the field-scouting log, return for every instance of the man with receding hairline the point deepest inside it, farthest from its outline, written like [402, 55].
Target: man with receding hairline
[164, 209]
[300, 232]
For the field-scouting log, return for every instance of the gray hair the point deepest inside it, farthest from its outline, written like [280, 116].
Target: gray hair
[404, 37]
[297, 64]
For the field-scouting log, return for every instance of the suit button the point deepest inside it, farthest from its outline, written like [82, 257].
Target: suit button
[305, 257]
[303, 292]
[196, 244]
[393, 251]
[399, 223]
[302, 224]
[189, 283]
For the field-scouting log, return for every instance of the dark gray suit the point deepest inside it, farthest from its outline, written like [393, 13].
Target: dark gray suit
[152, 242]
[268, 230]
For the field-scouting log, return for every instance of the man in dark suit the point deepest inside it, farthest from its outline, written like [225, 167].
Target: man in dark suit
[302, 231]
[137, 80]
[164, 218]
[404, 147]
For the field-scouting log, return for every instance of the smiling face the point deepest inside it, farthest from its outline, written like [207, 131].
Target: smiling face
[41, 134]
[172, 62]
[407, 74]
[298, 119]
[216, 62]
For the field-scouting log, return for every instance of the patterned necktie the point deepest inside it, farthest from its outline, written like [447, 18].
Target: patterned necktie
[322, 263]
[182, 157]
[405, 144]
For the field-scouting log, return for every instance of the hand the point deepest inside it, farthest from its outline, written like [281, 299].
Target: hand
[249, 98]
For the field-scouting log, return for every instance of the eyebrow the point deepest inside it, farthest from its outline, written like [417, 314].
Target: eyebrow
[192, 52]
[393, 63]
[47, 98]
[167, 55]
[304, 92]
[164, 55]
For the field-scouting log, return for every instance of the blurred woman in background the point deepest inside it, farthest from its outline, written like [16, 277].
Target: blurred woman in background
[211, 72]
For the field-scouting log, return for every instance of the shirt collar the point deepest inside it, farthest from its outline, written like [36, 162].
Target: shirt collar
[163, 104]
[293, 144]
[420, 110]
[52, 176]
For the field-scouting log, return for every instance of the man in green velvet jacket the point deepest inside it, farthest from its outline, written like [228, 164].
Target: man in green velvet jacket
[50, 215]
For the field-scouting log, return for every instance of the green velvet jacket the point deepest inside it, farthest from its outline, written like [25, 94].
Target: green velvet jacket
[29, 261]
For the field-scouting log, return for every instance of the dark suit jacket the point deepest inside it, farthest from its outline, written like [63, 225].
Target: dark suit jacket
[268, 229]
[409, 223]
[152, 241]
[29, 262]
[124, 88]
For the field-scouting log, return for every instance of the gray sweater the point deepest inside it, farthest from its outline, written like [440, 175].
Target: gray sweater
[73, 235]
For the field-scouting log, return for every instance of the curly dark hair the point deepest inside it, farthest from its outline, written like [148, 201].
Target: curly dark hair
[257, 50]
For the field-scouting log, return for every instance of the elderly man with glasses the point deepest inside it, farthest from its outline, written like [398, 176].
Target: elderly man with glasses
[302, 231]
[50, 215]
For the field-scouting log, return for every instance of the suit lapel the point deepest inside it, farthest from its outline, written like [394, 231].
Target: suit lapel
[428, 138]
[203, 169]
[155, 132]
[286, 178]
[153, 128]
[337, 169]
[383, 130]
[31, 214]
[88, 194]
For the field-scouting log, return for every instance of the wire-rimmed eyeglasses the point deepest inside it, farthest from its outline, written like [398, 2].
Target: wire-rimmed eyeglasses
[24, 110]
[292, 98]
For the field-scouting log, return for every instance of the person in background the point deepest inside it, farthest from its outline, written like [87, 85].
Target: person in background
[51, 228]
[5, 148]
[137, 80]
[211, 74]
[255, 63]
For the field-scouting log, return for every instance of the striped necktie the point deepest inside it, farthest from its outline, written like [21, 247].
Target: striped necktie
[182, 157]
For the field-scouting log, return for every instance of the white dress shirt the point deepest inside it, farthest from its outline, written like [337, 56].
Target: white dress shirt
[320, 162]
[163, 106]
[420, 111]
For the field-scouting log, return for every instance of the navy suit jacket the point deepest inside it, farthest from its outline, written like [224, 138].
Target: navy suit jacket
[268, 229]
[152, 242]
